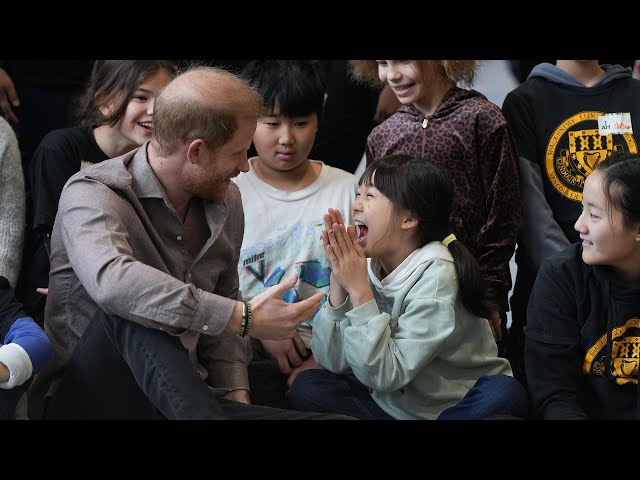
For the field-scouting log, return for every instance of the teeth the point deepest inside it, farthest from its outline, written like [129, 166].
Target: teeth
[357, 230]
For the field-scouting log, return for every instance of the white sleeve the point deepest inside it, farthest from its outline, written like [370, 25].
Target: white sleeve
[19, 364]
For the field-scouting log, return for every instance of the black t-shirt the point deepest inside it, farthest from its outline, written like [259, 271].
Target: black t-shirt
[59, 156]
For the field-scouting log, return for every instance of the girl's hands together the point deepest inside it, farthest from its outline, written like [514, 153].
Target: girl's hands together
[347, 259]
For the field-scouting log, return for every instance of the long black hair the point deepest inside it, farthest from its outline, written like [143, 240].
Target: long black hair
[421, 187]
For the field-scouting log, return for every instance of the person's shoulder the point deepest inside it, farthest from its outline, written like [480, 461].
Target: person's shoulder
[8, 144]
[531, 88]
[5, 128]
[338, 173]
[63, 138]
[241, 180]
[626, 82]
[233, 197]
[568, 260]
[111, 174]
[434, 263]
[435, 278]
[478, 101]
[485, 113]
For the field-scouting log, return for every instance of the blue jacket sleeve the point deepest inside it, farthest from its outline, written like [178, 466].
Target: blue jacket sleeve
[26, 333]
[17, 327]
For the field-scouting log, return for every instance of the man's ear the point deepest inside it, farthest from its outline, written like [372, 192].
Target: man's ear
[195, 151]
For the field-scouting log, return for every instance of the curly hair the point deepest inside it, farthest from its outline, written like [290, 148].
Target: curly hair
[366, 71]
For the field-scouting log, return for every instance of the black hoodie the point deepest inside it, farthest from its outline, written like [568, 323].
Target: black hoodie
[582, 346]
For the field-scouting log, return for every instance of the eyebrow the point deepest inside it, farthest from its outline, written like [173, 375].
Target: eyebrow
[593, 205]
[140, 89]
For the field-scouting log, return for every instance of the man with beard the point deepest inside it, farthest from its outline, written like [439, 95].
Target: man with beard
[144, 312]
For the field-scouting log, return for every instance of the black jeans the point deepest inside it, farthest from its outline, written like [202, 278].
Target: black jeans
[9, 400]
[122, 370]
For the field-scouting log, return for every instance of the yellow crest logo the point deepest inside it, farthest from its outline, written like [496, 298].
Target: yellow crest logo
[574, 151]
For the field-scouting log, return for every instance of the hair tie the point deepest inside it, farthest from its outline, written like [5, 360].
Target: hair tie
[450, 238]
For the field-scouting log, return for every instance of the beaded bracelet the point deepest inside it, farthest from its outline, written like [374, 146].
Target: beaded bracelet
[249, 317]
[243, 325]
[246, 319]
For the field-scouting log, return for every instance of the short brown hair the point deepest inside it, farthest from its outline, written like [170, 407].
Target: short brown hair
[202, 102]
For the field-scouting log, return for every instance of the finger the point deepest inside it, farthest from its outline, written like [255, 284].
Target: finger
[334, 215]
[283, 364]
[341, 237]
[5, 106]
[351, 233]
[335, 245]
[9, 100]
[292, 377]
[359, 249]
[43, 291]
[495, 328]
[331, 256]
[344, 230]
[339, 218]
[304, 309]
[327, 248]
[301, 348]
[12, 95]
[497, 332]
[286, 284]
[325, 237]
[327, 221]
[294, 358]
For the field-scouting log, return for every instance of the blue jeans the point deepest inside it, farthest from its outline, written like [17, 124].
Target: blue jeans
[493, 396]
[122, 370]
[319, 390]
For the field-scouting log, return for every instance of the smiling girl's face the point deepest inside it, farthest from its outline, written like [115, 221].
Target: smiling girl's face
[606, 240]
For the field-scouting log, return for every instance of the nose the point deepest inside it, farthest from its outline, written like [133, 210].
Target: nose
[286, 136]
[580, 225]
[150, 106]
[357, 205]
[393, 73]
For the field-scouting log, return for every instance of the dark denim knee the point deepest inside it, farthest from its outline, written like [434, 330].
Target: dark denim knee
[9, 400]
[509, 394]
[307, 385]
